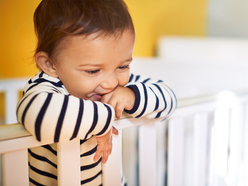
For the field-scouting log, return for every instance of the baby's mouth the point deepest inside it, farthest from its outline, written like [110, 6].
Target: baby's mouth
[98, 96]
[95, 97]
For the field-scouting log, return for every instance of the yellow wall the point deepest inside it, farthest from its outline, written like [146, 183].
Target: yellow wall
[152, 18]
[17, 39]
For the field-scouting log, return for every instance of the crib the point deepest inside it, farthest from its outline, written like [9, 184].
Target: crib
[205, 141]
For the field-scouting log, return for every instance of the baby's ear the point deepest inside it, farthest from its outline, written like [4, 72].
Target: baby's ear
[46, 64]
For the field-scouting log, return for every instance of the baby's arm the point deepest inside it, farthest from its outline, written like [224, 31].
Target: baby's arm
[54, 117]
[154, 99]
[143, 97]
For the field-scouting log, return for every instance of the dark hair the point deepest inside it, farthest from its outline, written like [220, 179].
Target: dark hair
[54, 20]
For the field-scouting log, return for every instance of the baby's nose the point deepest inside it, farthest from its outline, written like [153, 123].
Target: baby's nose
[110, 82]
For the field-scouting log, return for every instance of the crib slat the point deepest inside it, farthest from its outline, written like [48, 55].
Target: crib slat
[176, 152]
[147, 154]
[11, 88]
[11, 101]
[15, 168]
[236, 145]
[68, 163]
[161, 152]
[219, 146]
[200, 153]
[245, 155]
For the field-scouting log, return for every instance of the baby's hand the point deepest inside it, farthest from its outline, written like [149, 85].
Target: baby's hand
[121, 98]
[104, 145]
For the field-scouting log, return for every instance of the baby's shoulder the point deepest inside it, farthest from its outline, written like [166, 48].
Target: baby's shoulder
[43, 82]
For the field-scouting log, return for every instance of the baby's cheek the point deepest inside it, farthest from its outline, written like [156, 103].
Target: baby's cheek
[124, 80]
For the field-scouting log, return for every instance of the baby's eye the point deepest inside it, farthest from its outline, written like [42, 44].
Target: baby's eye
[124, 67]
[92, 72]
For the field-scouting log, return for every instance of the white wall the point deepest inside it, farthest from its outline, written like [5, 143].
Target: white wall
[228, 18]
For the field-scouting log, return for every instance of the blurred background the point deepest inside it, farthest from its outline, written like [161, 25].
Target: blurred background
[152, 19]
[226, 20]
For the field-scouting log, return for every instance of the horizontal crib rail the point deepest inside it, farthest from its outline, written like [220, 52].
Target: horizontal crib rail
[210, 98]
[13, 131]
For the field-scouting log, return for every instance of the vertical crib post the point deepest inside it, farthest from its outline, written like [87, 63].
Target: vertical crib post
[147, 154]
[245, 155]
[69, 163]
[176, 152]
[200, 150]
[219, 146]
[236, 144]
[11, 100]
[161, 128]
[15, 168]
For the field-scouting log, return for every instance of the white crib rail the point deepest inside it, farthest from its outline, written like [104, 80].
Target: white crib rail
[11, 89]
[192, 154]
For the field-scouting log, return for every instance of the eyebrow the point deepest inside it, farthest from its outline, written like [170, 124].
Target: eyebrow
[98, 65]
[89, 64]
[130, 59]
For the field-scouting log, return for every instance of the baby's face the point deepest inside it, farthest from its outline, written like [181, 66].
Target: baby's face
[90, 67]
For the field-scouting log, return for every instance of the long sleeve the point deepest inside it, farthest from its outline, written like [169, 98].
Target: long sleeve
[52, 115]
[154, 99]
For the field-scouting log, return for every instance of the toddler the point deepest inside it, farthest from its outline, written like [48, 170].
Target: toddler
[83, 55]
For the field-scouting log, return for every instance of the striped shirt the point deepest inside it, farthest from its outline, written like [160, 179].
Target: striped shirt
[52, 115]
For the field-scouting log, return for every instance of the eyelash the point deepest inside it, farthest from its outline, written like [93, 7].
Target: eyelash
[124, 67]
[92, 72]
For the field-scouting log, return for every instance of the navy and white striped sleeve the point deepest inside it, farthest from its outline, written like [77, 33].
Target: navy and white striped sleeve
[154, 99]
[54, 117]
